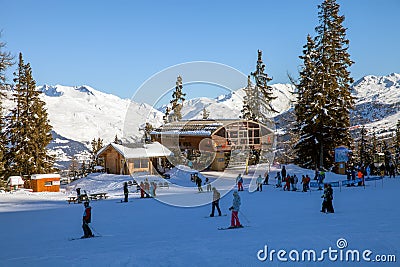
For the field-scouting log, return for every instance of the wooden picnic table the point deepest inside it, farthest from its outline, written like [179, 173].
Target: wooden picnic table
[97, 196]
[77, 199]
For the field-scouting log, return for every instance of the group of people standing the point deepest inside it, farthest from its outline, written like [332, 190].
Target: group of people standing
[147, 189]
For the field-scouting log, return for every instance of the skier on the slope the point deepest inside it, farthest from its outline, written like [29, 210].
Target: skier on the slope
[235, 223]
[266, 178]
[126, 192]
[279, 181]
[283, 172]
[215, 203]
[287, 183]
[295, 181]
[328, 197]
[239, 182]
[86, 219]
[259, 183]
[198, 182]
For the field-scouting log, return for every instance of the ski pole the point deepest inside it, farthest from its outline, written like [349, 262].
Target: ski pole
[94, 230]
[244, 216]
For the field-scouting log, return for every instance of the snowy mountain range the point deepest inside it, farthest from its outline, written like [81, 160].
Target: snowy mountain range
[79, 114]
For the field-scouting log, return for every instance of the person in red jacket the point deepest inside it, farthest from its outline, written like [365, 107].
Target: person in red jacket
[86, 219]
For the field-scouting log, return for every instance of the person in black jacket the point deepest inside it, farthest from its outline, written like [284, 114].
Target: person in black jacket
[126, 192]
[327, 205]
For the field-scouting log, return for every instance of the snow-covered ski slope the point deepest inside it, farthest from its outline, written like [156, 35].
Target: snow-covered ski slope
[35, 227]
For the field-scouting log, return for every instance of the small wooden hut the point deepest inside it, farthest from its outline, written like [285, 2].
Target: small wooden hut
[45, 182]
[119, 159]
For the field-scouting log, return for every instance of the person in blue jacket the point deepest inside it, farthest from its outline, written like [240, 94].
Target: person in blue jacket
[235, 223]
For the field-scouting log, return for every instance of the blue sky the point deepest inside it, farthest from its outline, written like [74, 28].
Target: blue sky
[115, 46]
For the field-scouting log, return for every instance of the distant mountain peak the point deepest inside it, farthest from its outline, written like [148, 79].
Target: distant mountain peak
[84, 89]
[49, 90]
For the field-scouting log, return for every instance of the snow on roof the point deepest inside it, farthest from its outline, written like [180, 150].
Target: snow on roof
[43, 176]
[154, 149]
[15, 180]
[192, 133]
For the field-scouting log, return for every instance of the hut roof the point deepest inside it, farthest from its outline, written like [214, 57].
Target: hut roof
[193, 127]
[154, 149]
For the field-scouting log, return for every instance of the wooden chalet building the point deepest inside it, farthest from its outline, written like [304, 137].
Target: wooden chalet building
[224, 138]
[119, 159]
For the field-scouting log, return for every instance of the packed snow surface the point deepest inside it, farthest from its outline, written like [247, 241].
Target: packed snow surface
[36, 227]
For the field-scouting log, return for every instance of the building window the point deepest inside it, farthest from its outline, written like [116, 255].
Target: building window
[144, 163]
[136, 163]
[48, 183]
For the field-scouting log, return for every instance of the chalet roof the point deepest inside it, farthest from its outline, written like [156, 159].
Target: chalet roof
[154, 149]
[193, 127]
[44, 176]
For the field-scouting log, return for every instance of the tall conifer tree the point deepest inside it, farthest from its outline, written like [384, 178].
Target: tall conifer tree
[29, 129]
[328, 80]
[178, 97]
[257, 102]
[6, 61]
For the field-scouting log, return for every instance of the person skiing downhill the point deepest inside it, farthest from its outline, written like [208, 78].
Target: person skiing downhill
[235, 223]
[86, 219]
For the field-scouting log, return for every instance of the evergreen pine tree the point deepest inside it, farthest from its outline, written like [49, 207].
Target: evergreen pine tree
[307, 108]
[148, 128]
[83, 169]
[363, 148]
[257, 102]
[205, 114]
[178, 97]
[29, 130]
[397, 145]
[327, 126]
[248, 101]
[166, 115]
[73, 168]
[6, 61]
[96, 146]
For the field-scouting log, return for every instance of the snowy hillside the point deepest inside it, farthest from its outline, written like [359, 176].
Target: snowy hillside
[82, 113]
[377, 102]
[79, 114]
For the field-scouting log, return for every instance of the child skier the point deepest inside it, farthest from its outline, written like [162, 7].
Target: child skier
[235, 223]
[86, 219]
